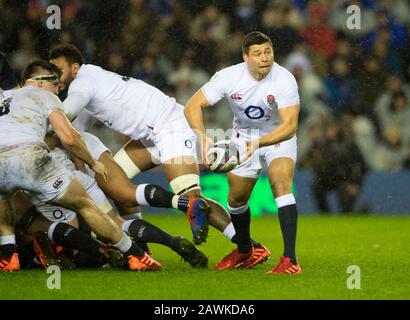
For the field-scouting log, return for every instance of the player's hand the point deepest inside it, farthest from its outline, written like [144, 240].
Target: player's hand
[206, 144]
[99, 168]
[251, 146]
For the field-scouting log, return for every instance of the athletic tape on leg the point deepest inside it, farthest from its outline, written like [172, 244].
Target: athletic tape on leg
[126, 163]
[185, 183]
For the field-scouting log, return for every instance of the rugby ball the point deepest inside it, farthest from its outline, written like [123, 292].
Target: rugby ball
[223, 156]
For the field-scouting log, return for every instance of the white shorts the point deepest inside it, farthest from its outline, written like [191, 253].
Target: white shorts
[262, 157]
[60, 214]
[31, 168]
[175, 139]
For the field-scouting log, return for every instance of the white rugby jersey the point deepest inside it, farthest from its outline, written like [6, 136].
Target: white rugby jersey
[24, 115]
[127, 105]
[84, 121]
[254, 103]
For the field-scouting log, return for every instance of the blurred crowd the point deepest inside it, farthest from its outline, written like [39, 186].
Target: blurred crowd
[354, 83]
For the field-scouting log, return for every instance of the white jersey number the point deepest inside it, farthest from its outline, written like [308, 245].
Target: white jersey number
[5, 107]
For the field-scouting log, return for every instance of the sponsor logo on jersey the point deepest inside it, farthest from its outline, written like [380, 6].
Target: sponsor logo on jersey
[271, 100]
[58, 214]
[5, 107]
[57, 184]
[188, 143]
[236, 96]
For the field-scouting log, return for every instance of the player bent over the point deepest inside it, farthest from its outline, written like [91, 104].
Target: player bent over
[25, 164]
[265, 101]
[155, 123]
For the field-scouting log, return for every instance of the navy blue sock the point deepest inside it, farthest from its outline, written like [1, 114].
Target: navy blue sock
[158, 197]
[288, 217]
[7, 250]
[241, 223]
[143, 231]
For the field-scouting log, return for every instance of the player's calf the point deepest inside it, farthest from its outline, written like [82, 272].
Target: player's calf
[196, 209]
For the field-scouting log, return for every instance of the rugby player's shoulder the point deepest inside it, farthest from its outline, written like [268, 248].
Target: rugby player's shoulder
[282, 71]
[88, 73]
[283, 75]
[229, 73]
[88, 70]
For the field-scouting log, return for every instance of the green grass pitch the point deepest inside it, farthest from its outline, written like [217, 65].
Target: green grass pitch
[327, 246]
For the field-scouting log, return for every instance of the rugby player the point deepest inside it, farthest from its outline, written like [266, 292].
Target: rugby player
[25, 164]
[159, 132]
[265, 101]
[155, 123]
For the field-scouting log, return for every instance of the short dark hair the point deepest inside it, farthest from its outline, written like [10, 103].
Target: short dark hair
[37, 66]
[68, 51]
[252, 38]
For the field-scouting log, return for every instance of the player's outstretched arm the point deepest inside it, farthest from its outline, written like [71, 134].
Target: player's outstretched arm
[72, 140]
[286, 130]
[194, 115]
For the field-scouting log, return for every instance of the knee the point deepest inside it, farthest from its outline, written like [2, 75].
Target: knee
[125, 197]
[236, 201]
[281, 186]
